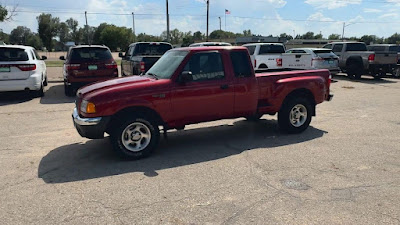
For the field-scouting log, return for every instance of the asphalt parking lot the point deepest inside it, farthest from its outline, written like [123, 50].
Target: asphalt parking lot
[345, 169]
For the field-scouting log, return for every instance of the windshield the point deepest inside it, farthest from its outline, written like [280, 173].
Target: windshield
[13, 54]
[165, 67]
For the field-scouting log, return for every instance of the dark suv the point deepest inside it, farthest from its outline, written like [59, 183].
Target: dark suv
[87, 64]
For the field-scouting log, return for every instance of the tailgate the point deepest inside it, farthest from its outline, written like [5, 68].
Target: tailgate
[15, 70]
[301, 61]
[149, 61]
[385, 58]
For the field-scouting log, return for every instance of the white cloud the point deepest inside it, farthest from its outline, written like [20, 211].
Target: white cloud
[389, 15]
[367, 10]
[319, 17]
[332, 4]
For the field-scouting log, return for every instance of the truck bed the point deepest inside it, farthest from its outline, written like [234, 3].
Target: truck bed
[274, 86]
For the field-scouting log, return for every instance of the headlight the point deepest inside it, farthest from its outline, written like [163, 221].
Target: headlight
[87, 107]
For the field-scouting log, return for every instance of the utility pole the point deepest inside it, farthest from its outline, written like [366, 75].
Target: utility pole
[344, 25]
[87, 28]
[167, 23]
[220, 29]
[208, 13]
[133, 26]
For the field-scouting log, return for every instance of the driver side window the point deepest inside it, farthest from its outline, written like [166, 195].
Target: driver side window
[206, 66]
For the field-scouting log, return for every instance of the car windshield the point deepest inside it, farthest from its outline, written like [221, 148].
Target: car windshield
[356, 47]
[90, 54]
[13, 54]
[151, 48]
[165, 67]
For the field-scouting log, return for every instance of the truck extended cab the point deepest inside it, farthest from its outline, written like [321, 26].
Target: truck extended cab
[141, 56]
[356, 60]
[193, 85]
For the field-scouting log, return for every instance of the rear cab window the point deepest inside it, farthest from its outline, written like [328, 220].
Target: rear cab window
[251, 49]
[337, 48]
[394, 48]
[13, 54]
[90, 54]
[151, 49]
[351, 47]
[271, 49]
[241, 64]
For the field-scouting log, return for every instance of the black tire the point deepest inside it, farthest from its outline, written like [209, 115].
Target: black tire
[254, 117]
[45, 83]
[131, 151]
[39, 93]
[68, 90]
[284, 115]
[353, 70]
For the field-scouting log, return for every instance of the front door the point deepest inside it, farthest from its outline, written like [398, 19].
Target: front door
[208, 95]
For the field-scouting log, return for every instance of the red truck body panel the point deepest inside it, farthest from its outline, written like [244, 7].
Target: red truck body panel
[180, 104]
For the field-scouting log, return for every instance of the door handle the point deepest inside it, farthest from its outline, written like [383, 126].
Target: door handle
[224, 86]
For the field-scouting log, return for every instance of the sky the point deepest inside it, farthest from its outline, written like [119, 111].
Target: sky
[263, 17]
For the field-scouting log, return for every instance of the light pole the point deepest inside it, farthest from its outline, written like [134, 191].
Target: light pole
[344, 25]
[208, 12]
[167, 22]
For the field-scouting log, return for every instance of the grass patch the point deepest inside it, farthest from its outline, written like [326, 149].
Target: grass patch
[60, 63]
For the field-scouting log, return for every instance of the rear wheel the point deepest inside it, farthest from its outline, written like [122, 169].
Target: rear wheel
[396, 73]
[295, 115]
[135, 138]
[68, 90]
[39, 93]
[353, 70]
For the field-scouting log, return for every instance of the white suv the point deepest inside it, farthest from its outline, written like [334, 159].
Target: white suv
[21, 69]
[266, 56]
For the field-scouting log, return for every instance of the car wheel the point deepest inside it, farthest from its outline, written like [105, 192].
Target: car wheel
[135, 138]
[45, 83]
[295, 115]
[353, 71]
[39, 93]
[68, 90]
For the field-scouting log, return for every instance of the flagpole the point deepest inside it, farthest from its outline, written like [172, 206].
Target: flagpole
[225, 19]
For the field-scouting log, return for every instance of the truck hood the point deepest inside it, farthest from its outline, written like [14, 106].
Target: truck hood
[111, 84]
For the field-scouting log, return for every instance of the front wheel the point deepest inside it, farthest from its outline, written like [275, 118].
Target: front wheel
[135, 138]
[295, 115]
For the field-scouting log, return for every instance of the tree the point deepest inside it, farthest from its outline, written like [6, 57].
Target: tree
[3, 13]
[334, 37]
[97, 33]
[4, 37]
[287, 36]
[116, 37]
[220, 34]
[75, 33]
[146, 37]
[394, 39]
[308, 35]
[198, 36]
[34, 41]
[247, 33]
[48, 29]
[19, 35]
[63, 32]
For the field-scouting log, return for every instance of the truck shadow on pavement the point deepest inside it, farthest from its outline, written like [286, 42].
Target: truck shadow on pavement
[55, 95]
[95, 158]
[366, 79]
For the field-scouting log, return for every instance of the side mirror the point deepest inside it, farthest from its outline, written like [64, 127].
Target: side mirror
[121, 55]
[44, 57]
[62, 57]
[185, 77]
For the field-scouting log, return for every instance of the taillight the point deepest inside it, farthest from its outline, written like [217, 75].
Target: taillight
[73, 66]
[142, 67]
[279, 62]
[112, 65]
[27, 67]
[371, 57]
[330, 79]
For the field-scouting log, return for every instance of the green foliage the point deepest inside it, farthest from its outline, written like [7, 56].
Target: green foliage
[19, 35]
[371, 39]
[394, 39]
[48, 29]
[4, 37]
[3, 13]
[220, 34]
[116, 37]
[75, 34]
[334, 37]
[34, 41]
[145, 37]
[287, 36]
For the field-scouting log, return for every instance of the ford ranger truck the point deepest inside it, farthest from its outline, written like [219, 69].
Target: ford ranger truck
[194, 85]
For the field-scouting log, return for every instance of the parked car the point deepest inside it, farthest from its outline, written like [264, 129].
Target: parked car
[210, 44]
[356, 60]
[141, 56]
[266, 56]
[311, 59]
[193, 85]
[87, 64]
[386, 53]
[21, 68]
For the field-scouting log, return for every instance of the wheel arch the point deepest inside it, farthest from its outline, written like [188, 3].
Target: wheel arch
[302, 92]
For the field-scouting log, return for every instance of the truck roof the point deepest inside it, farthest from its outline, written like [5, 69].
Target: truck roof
[211, 48]
[345, 42]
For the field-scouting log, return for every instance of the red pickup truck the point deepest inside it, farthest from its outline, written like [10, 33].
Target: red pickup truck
[193, 85]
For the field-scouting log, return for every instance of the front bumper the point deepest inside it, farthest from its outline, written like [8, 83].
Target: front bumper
[92, 128]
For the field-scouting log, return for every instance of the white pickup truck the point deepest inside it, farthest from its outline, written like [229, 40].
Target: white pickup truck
[266, 56]
[310, 59]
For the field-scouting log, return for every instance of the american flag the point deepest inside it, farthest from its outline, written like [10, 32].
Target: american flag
[227, 12]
